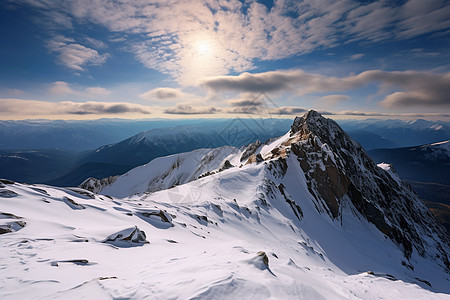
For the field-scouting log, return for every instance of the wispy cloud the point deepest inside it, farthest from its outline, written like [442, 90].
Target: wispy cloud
[247, 99]
[34, 108]
[97, 44]
[73, 55]
[62, 88]
[97, 91]
[255, 83]
[213, 37]
[357, 56]
[187, 109]
[288, 110]
[164, 94]
[413, 88]
[332, 99]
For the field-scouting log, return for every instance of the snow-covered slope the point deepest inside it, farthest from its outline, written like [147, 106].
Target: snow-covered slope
[64, 245]
[304, 216]
[337, 172]
[161, 173]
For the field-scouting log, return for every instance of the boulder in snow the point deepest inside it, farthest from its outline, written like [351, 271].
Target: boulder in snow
[129, 237]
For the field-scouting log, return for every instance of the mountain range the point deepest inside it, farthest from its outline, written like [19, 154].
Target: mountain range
[375, 134]
[427, 170]
[426, 163]
[307, 215]
[67, 166]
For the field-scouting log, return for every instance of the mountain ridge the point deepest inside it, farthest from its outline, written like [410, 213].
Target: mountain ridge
[337, 170]
[307, 215]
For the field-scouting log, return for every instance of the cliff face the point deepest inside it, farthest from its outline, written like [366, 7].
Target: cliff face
[338, 170]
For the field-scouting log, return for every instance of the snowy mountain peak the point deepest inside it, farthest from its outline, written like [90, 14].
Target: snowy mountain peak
[336, 172]
[307, 215]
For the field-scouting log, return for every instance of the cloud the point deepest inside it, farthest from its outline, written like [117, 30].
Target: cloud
[34, 108]
[104, 108]
[249, 110]
[164, 93]
[420, 89]
[391, 115]
[247, 99]
[96, 43]
[187, 109]
[73, 55]
[407, 99]
[414, 88]
[419, 17]
[165, 35]
[356, 56]
[332, 99]
[13, 92]
[97, 91]
[288, 110]
[255, 83]
[62, 88]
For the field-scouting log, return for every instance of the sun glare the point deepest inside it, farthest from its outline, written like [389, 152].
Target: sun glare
[203, 48]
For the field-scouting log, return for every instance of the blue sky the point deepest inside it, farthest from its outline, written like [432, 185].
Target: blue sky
[85, 59]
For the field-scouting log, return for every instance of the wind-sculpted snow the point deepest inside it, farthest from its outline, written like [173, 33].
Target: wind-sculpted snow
[266, 226]
[161, 173]
[241, 239]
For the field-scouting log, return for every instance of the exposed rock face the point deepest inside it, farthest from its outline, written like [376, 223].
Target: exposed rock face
[5, 193]
[10, 226]
[251, 149]
[127, 238]
[337, 168]
[6, 181]
[226, 165]
[264, 257]
[95, 185]
[339, 172]
[254, 158]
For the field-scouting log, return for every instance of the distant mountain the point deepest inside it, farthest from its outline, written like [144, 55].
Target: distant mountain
[307, 215]
[396, 133]
[74, 135]
[116, 159]
[427, 169]
[427, 163]
[92, 134]
[437, 198]
[370, 140]
[35, 166]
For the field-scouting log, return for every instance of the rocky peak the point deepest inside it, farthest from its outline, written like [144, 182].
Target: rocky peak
[338, 171]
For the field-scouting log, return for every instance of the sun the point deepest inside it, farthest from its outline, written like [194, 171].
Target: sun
[203, 47]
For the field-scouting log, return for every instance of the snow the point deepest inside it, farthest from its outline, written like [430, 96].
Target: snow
[266, 149]
[384, 166]
[437, 127]
[165, 172]
[182, 226]
[209, 248]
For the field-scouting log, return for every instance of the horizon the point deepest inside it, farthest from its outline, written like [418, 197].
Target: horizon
[337, 117]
